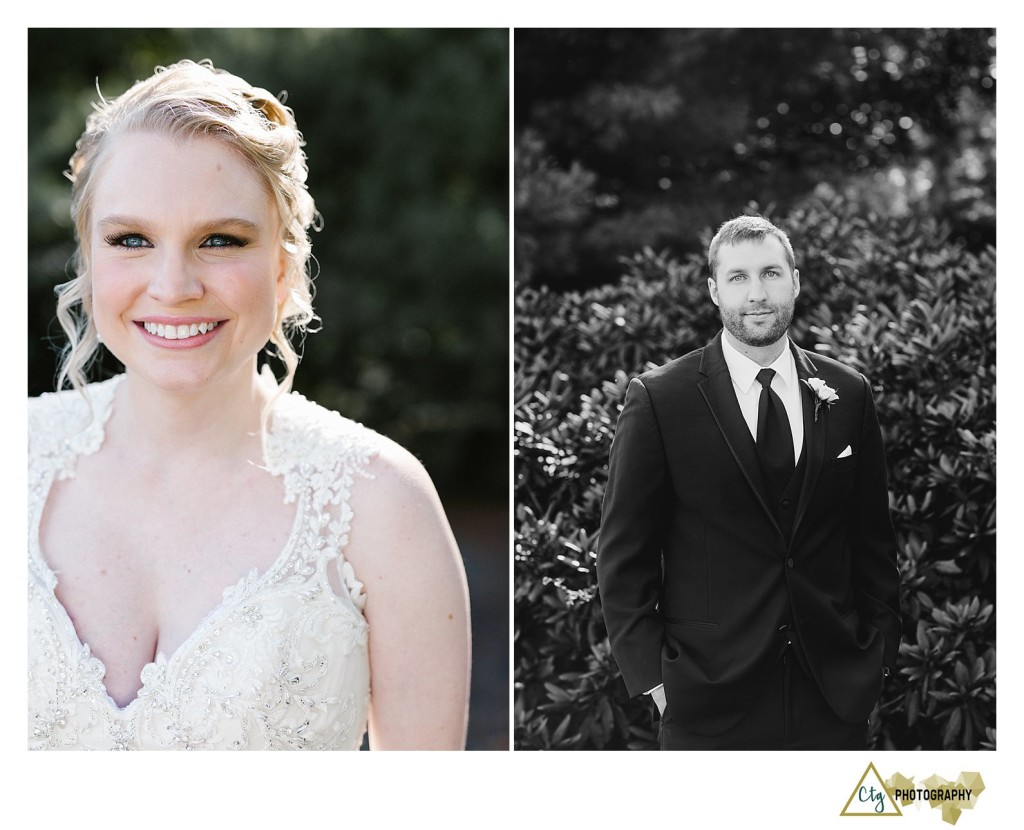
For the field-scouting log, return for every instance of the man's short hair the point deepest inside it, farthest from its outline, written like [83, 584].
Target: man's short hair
[744, 228]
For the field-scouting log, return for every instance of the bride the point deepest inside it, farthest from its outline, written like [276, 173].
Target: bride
[214, 561]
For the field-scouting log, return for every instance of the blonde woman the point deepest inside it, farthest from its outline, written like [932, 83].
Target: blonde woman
[214, 561]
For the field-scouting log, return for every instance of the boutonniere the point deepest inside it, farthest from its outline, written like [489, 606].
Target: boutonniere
[823, 394]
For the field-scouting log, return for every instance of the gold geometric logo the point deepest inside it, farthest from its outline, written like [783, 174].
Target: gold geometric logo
[951, 798]
[871, 797]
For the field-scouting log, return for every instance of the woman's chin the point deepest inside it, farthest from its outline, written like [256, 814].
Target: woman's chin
[186, 379]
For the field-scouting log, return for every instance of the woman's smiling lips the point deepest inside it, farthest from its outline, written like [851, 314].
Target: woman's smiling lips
[178, 332]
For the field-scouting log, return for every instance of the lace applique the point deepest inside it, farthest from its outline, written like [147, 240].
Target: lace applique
[64, 426]
[281, 663]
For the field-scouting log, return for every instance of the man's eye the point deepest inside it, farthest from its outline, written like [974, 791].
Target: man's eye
[221, 240]
[128, 240]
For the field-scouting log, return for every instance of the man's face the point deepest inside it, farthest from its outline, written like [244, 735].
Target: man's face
[755, 289]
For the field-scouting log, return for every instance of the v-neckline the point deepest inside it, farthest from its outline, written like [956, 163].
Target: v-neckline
[254, 579]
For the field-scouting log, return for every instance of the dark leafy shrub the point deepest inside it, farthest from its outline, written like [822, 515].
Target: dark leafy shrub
[899, 302]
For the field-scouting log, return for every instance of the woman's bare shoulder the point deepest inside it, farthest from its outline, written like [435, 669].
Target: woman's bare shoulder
[399, 473]
[398, 518]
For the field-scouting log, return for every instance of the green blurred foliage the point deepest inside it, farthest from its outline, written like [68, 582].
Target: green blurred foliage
[900, 301]
[407, 140]
[650, 135]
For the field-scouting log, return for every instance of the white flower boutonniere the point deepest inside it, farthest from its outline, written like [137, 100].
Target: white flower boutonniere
[823, 394]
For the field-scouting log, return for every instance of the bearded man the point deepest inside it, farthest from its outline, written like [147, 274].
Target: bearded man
[747, 559]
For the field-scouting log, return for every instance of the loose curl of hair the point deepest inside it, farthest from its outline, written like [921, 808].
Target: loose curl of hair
[189, 99]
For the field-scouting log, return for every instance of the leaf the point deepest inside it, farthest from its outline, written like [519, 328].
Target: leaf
[561, 730]
[952, 730]
[557, 694]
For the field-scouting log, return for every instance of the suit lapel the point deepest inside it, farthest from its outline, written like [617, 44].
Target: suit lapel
[814, 435]
[716, 387]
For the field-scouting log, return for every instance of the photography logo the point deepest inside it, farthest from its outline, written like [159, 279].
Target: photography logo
[874, 797]
[870, 797]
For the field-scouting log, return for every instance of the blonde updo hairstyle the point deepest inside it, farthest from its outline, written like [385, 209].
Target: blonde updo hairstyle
[190, 99]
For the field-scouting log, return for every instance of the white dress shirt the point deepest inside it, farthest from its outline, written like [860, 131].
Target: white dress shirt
[785, 384]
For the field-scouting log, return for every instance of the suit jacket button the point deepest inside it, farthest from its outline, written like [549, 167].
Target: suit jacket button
[789, 563]
[786, 502]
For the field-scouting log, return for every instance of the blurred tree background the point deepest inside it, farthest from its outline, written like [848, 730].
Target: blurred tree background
[632, 138]
[407, 139]
[875, 150]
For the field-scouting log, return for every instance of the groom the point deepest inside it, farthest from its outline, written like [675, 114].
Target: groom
[747, 560]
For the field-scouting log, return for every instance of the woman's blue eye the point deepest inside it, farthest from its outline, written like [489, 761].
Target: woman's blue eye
[220, 240]
[127, 240]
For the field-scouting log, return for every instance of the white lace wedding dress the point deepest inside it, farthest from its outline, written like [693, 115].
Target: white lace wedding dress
[280, 663]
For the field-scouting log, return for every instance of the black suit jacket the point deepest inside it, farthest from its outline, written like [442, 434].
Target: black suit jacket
[696, 573]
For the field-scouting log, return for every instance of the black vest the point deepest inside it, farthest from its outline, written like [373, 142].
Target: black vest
[781, 499]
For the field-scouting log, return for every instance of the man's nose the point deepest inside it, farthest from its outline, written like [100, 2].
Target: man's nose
[175, 279]
[756, 291]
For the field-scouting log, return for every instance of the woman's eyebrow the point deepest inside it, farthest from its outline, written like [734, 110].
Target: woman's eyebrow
[236, 222]
[122, 221]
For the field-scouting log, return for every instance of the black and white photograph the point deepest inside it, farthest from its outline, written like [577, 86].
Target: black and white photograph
[754, 389]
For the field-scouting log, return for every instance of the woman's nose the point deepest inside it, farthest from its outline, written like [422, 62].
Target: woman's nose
[175, 279]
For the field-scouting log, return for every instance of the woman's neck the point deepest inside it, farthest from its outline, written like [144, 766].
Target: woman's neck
[216, 422]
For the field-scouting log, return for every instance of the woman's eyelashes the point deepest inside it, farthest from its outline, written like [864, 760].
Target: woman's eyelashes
[223, 240]
[136, 240]
[127, 240]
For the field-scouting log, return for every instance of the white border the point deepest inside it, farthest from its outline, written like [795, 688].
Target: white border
[506, 788]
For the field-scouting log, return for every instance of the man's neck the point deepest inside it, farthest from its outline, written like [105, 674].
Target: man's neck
[761, 355]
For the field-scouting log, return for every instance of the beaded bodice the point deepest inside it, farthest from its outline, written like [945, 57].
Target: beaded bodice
[280, 663]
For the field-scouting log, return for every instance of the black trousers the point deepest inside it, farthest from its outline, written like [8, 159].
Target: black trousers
[790, 713]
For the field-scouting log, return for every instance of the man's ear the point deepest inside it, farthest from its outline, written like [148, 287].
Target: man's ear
[796, 283]
[713, 289]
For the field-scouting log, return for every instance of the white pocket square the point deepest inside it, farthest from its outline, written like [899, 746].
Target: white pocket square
[845, 452]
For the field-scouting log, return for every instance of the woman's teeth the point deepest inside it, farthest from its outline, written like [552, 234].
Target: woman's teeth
[178, 332]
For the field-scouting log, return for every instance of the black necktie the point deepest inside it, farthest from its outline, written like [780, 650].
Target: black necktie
[774, 436]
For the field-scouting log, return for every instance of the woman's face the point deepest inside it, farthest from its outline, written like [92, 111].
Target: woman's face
[186, 263]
